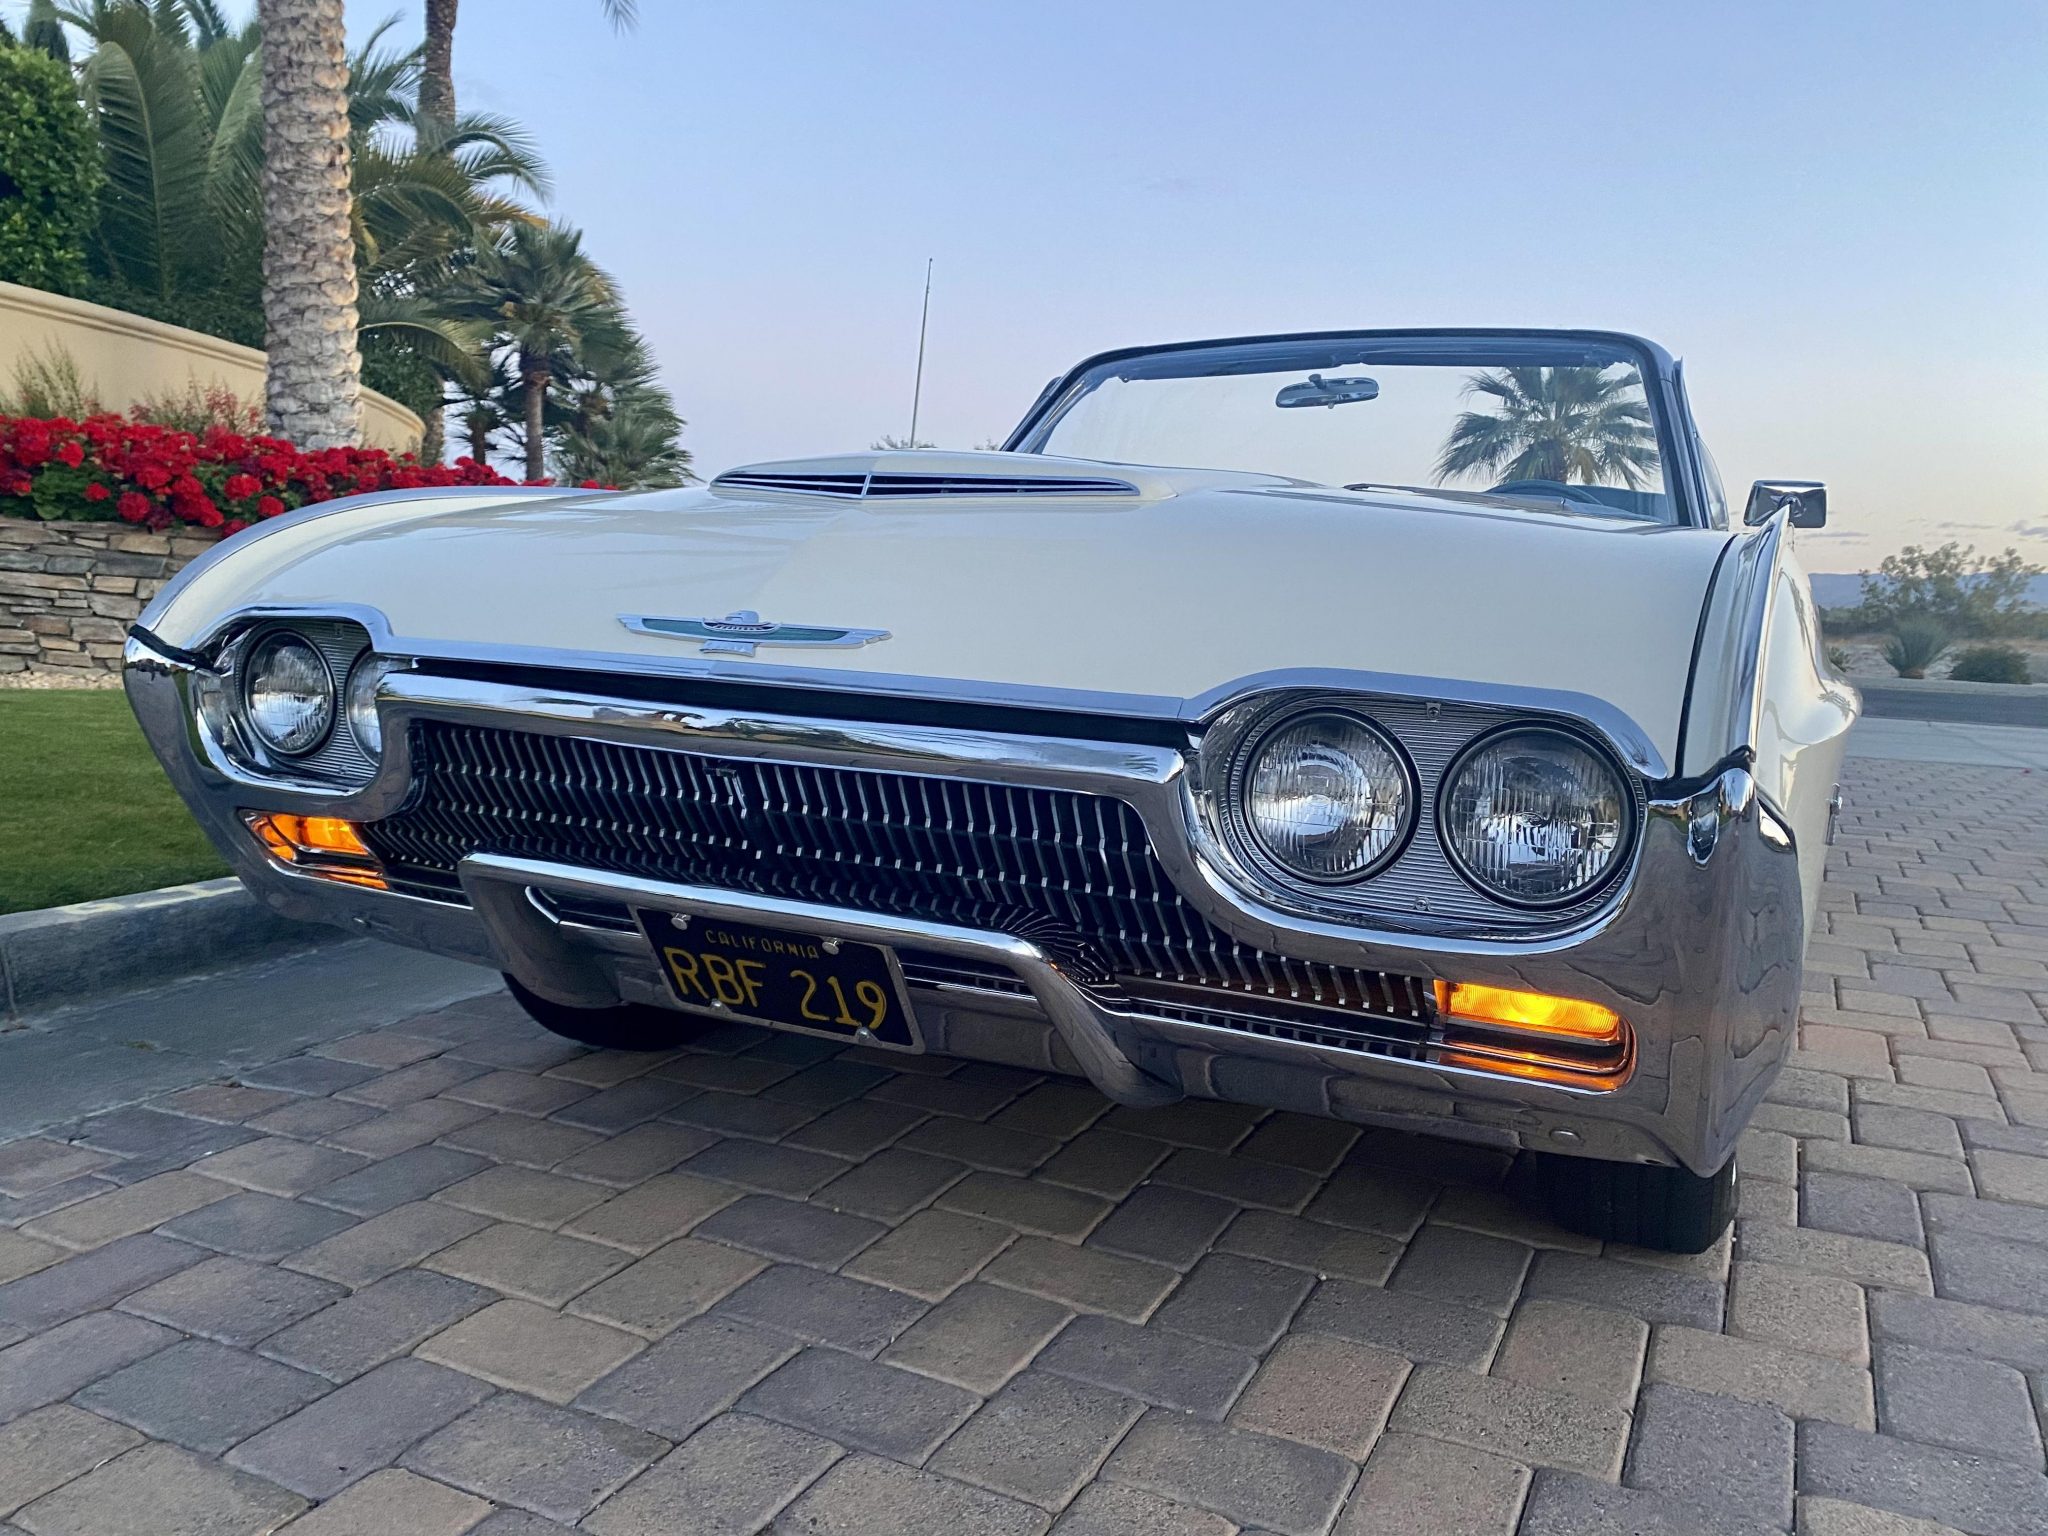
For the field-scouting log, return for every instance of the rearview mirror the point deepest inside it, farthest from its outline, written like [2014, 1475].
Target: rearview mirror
[1806, 500]
[1321, 391]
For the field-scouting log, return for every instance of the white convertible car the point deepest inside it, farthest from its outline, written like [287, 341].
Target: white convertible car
[1386, 725]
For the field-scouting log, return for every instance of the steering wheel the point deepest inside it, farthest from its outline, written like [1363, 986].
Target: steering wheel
[1549, 490]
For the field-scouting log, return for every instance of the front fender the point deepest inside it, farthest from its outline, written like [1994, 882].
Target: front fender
[1763, 695]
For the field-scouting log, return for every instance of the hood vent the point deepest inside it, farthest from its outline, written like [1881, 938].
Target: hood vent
[875, 486]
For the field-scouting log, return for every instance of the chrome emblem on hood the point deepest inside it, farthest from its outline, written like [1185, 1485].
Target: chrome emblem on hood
[737, 634]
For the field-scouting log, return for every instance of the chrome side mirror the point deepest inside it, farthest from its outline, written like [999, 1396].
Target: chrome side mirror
[1807, 501]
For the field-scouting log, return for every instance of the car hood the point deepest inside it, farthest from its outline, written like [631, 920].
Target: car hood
[1165, 592]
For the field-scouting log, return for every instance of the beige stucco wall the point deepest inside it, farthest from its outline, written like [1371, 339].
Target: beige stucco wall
[124, 359]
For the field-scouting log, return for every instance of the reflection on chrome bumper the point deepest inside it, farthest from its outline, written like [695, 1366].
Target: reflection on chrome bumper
[1701, 954]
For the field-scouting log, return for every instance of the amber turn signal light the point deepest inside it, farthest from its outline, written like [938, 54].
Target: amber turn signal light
[1561, 1018]
[320, 845]
[285, 834]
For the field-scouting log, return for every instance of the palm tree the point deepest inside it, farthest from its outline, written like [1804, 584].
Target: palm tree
[175, 93]
[1589, 424]
[480, 407]
[314, 391]
[618, 425]
[176, 97]
[547, 303]
[427, 196]
[437, 82]
[632, 444]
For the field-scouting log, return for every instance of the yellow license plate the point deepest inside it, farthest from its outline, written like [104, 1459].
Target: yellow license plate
[782, 977]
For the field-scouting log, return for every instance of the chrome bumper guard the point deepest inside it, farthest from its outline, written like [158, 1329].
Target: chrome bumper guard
[1700, 954]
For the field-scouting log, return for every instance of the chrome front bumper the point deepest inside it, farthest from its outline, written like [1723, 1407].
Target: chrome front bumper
[1701, 953]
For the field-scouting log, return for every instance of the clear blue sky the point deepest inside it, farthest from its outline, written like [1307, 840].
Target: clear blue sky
[1837, 213]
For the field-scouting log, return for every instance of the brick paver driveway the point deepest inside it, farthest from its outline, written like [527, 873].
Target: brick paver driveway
[455, 1271]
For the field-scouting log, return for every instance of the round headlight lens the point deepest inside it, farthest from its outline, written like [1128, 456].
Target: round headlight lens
[288, 698]
[361, 701]
[1535, 817]
[1326, 797]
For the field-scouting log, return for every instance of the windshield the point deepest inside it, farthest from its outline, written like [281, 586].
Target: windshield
[1559, 421]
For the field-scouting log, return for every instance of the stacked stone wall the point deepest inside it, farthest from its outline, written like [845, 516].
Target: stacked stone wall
[69, 591]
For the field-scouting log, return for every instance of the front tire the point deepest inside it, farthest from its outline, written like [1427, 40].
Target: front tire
[623, 1027]
[1637, 1203]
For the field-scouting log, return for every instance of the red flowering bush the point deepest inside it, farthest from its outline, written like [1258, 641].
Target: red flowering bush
[115, 467]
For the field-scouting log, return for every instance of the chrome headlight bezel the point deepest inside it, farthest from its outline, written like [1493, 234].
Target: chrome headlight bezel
[219, 688]
[1620, 783]
[1418, 888]
[258, 644]
[1251, 845]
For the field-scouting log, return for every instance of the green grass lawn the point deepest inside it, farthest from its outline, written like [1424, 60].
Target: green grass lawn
[84, 809]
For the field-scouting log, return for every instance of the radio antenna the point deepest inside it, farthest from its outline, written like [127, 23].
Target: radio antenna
[923, 321]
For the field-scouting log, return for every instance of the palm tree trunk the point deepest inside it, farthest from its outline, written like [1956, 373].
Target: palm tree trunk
[437, 66]
[480, 436]
[434, 436]
[535, 373]
[313, 393]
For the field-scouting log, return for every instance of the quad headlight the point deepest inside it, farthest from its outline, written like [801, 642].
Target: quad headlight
[288, 696]
[1326, 796]
[1535, 817]
[360, 704]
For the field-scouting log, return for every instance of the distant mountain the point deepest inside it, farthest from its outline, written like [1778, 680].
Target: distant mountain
[1835, 590]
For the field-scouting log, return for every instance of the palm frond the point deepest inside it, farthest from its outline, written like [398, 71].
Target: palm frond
[493, 148]
[168, 17]
[234, 156]
[142, 88]
[382, 82]
[450, 343]
[208, 21]
[220, 65]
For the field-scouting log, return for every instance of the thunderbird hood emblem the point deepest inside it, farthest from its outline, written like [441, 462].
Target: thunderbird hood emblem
[737, 634]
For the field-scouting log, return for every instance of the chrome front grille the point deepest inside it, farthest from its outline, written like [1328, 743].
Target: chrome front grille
[1073, 873]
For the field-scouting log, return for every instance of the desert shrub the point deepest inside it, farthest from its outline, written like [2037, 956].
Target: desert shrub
[1991, 664]
[1915, 646]
[49, 384]
[1957, 587]
[1838, 657]
[199, 407]
[49, 173]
